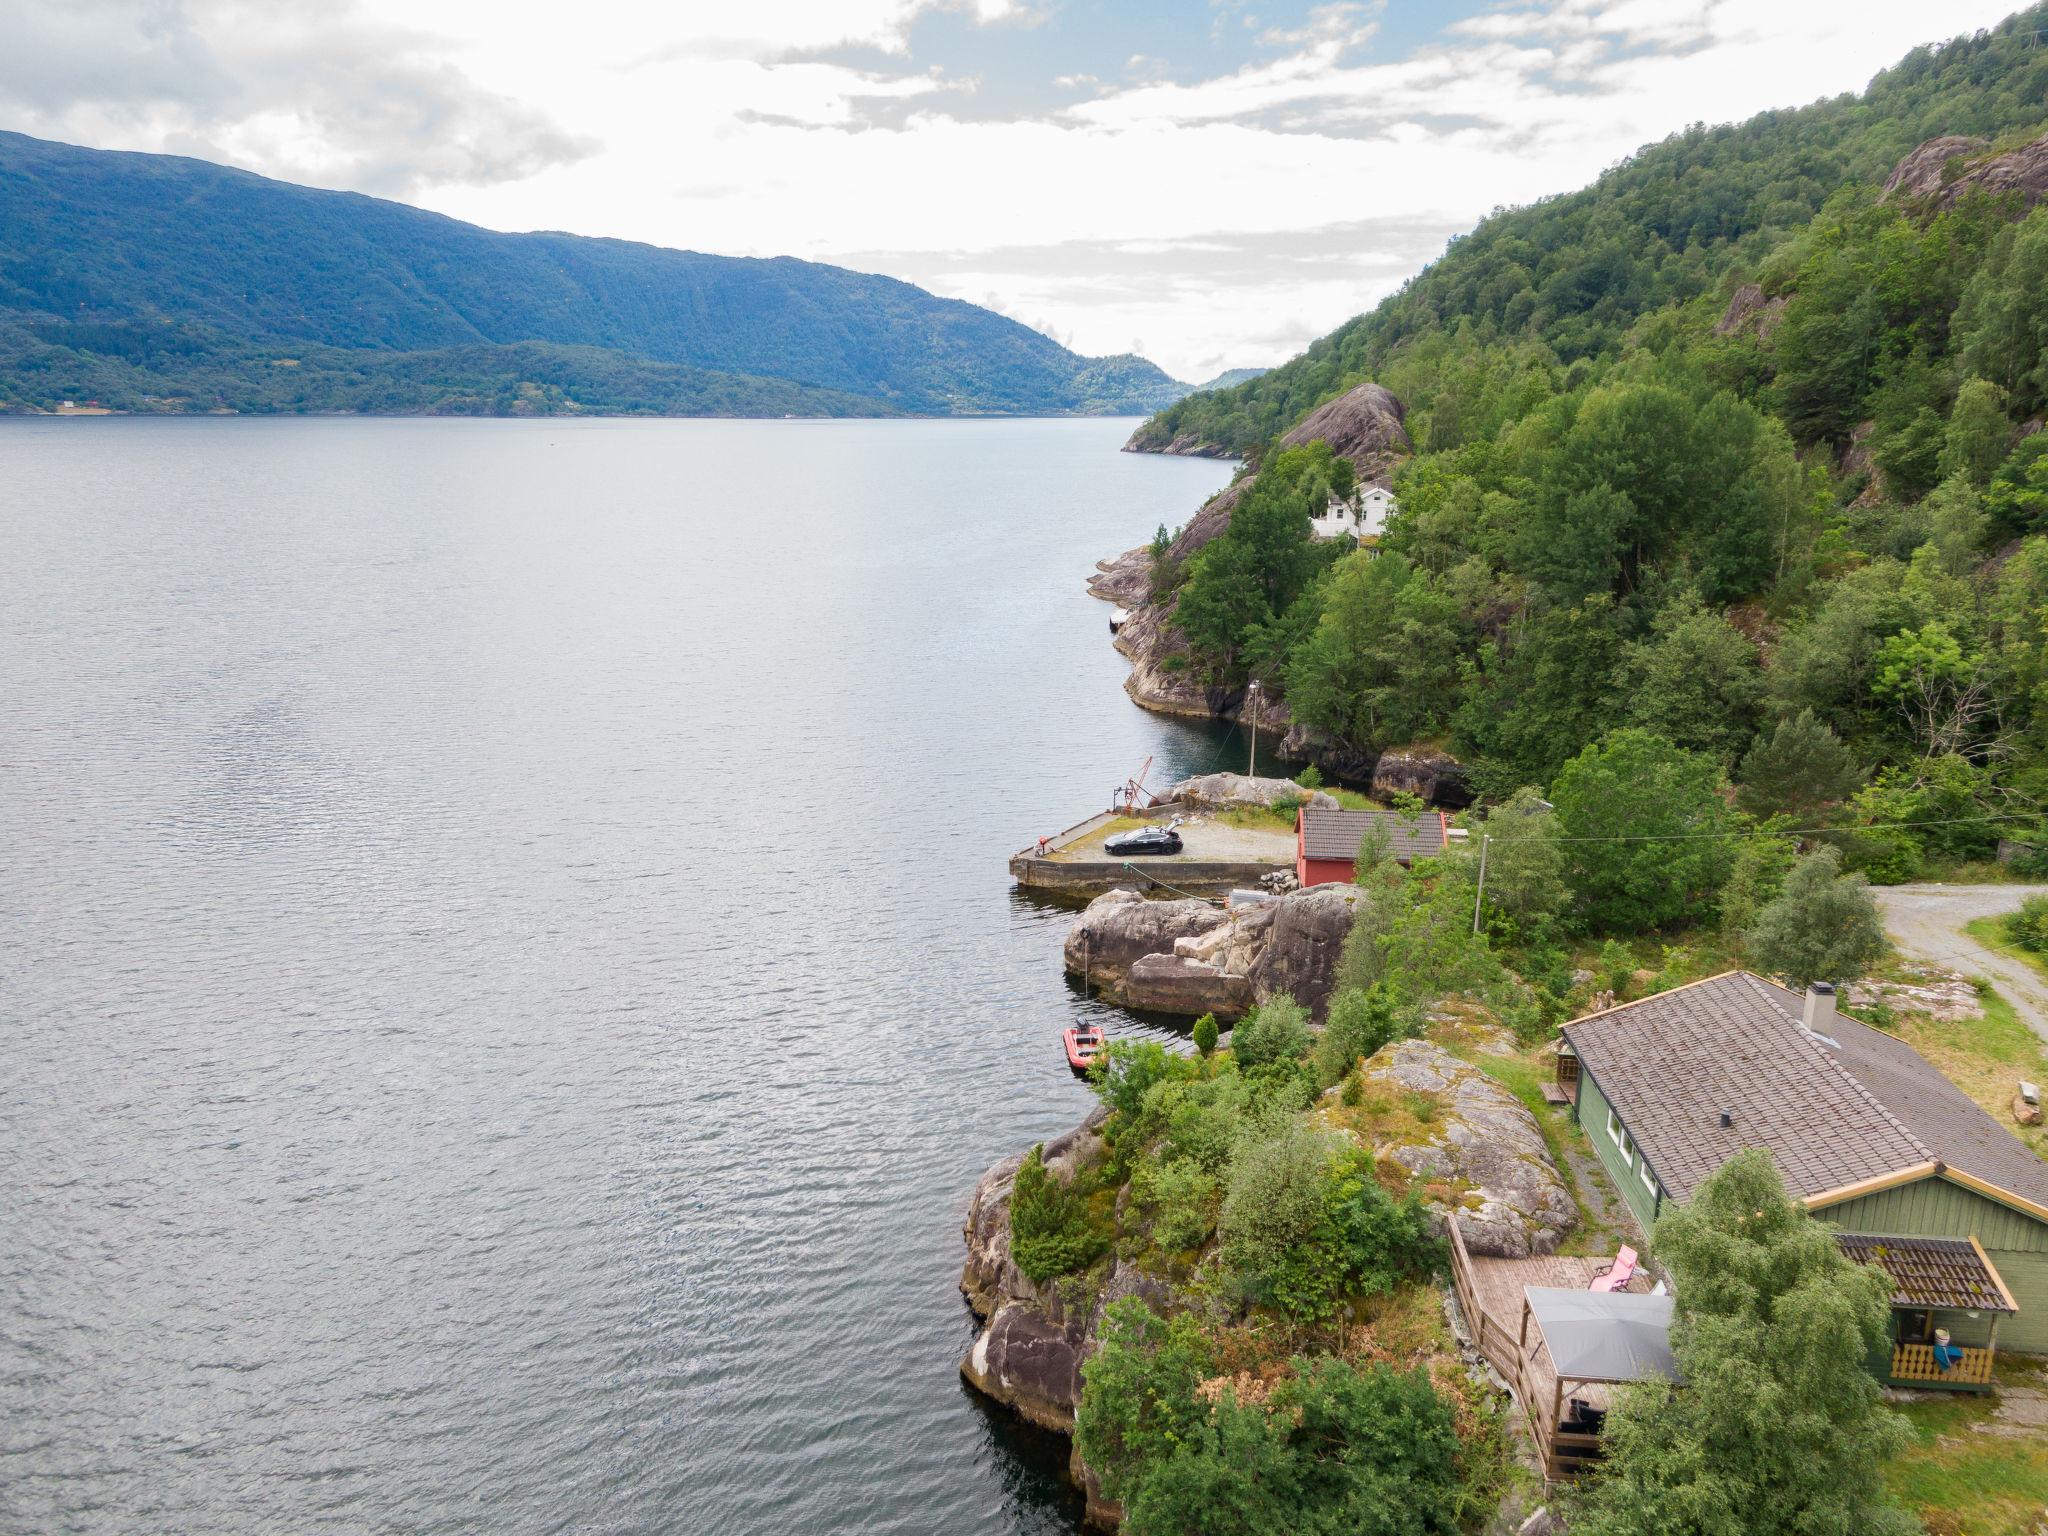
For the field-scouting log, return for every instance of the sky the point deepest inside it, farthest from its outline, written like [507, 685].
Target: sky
[1211, 183]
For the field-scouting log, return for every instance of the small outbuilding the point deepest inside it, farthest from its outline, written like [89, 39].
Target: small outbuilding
[1326, 842]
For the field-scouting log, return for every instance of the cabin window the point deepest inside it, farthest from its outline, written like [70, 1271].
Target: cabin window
[1620, 1135]
[1915, 1327]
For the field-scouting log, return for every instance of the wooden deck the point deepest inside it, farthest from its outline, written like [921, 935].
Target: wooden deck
[1490, 1295]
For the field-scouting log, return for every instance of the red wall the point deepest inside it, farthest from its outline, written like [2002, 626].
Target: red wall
[1320, 871]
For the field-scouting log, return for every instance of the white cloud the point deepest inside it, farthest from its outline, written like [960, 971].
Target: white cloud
[738, 128]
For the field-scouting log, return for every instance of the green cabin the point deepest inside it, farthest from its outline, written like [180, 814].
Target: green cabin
[1914, 1176]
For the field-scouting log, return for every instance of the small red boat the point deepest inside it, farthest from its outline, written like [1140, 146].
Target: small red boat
[1085, 1043]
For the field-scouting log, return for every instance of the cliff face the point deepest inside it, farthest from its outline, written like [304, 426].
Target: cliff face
[1942, 171]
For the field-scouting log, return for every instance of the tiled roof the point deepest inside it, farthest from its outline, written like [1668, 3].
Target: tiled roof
[1931, 1271]
[1330, 834]
[1938, 1113]
[1672, 1064]
[1856, 1105]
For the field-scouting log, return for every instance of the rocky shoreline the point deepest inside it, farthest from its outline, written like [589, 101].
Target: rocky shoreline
[1364, 425]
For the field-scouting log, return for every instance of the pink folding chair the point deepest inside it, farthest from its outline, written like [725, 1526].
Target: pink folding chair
[1618, 1274]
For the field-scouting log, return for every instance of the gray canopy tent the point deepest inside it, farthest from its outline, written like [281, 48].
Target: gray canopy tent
[1582, 1338]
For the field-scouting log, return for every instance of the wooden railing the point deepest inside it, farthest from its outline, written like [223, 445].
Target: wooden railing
[1565, 1453]
[1501, 1348]
[1915, 1362]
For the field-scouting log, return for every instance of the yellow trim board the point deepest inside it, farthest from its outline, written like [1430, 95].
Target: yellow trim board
[1991, 1269]
[1861, 1187]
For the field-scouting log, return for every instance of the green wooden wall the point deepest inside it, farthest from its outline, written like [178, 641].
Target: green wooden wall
[2016, 1244]
[1631, 1182]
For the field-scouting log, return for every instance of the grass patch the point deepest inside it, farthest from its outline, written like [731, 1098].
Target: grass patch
[1996, 933]
[1985, 1057]
[1963, 1483]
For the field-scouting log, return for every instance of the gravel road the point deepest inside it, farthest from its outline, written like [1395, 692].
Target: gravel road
[1926, 922]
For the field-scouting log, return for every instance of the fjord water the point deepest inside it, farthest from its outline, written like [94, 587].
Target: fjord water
[510, 974]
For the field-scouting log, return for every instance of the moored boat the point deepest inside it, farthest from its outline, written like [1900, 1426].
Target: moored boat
[1085, 1043]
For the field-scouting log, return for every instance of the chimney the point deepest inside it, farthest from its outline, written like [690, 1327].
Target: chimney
[1820, 1010]
[1727, 1119]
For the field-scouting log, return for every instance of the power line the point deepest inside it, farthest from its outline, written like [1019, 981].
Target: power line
[1873, 826]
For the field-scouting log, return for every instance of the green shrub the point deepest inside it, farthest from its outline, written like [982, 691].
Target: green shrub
[1202, 1118]
[1274, 1222]
[1275, 1031]
[1050, 1233]
[1180, 1198]
[1205, 1034]
[1310, 777]
[1823, 926]
[1138, 1390]
[1370, 1452]
[1360, 1023]
[1382, 1240]
[2029, 925]
[1287, 805]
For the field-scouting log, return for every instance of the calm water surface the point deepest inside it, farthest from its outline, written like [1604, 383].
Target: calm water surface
[509, 972]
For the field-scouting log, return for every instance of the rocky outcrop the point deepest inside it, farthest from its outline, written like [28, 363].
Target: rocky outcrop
[1160, 679]
[1188, 445]
[1428, 772]
[1480, 1155]
[1749, 310]
[1333, 759]
[1942, 171]
[1234, 946]
[1030, 1361]
[1126, 580]
[1120, 927]
[1301, 952]
[1175, 984]
[1221, 791]
[1029, 1354]
[1363, 425]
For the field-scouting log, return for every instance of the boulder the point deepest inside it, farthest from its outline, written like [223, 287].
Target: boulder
[1363, 425]
[1429, 773]
[1030, 1362]
[1234, 946]
[1931, 177]
[1307, 940]
[1480, 1151]
[1173, 984]
[1220, 791]
[1120, 927]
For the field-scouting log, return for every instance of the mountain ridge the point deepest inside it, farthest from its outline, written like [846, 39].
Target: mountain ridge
[192, 281]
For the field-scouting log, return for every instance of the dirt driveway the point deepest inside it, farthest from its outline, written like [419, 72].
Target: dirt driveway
[1926, 922]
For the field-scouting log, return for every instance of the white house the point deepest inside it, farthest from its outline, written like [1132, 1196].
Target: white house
[1365, 517]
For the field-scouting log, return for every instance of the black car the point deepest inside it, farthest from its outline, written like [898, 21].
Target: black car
[1144, 840]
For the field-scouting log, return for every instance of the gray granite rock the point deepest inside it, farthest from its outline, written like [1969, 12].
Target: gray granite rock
[1503, 1190]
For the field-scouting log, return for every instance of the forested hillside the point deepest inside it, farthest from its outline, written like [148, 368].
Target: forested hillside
[155, 282]
[1728, 468]
[1572, 274]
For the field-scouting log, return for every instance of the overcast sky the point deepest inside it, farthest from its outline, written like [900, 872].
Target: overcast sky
[1210, 182]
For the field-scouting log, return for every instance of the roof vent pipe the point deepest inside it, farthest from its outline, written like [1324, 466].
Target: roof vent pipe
[1727, 1120]
[1820, 1009]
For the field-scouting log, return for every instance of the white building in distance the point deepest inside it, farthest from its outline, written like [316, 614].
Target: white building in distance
[1364, 517]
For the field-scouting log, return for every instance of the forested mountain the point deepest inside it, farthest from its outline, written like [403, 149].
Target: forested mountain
[152, 282]
[1732, 462]
[1572, 274]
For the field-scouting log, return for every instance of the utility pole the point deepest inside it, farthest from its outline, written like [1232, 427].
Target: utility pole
[1251, 768]
[1484, 842]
